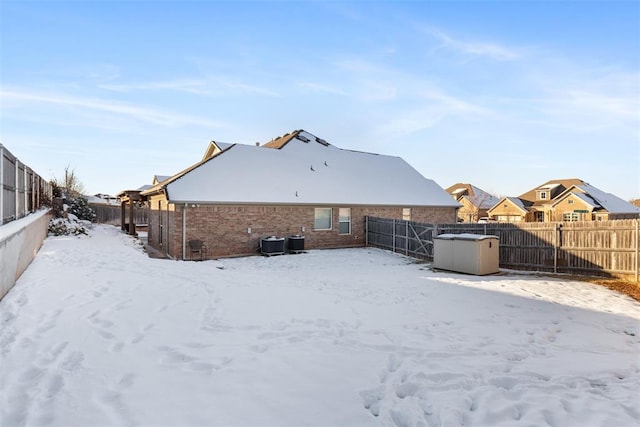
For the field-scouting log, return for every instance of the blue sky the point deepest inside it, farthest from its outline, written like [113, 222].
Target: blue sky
[504, 95]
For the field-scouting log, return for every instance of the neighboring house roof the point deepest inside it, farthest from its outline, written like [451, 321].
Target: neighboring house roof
[530, 197]
[214, 148]
[476, 196]
[600, 199]
[159, 178]
[103, 199]
[300, 168]
[584, 198]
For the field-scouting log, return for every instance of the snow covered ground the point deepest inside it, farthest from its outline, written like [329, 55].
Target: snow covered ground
[96, 333]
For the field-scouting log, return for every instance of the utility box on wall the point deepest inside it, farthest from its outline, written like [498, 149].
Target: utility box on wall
[467, 253]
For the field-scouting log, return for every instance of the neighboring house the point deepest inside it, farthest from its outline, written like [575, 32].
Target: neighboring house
[586, 202]
[475, 202]
[563, 200]
[509, 209]
[103, 199]
[296, 184]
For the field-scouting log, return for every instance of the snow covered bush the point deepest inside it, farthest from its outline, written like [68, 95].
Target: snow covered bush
[79, 206]
[68, 226]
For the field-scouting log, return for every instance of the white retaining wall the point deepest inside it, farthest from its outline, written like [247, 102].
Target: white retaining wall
[19, 243]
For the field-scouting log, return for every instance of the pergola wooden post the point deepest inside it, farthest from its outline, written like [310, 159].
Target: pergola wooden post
[128, 197]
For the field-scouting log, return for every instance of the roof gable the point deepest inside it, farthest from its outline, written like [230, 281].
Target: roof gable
[555, 186]
[514, 201]
[584, 198]
[214, 148]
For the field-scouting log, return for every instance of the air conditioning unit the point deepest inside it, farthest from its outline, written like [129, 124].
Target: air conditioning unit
[272, 245]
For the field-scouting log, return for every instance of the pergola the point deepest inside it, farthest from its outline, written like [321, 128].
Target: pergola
[128, 197]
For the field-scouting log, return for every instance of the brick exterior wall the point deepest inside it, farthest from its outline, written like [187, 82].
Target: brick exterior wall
[225, 228]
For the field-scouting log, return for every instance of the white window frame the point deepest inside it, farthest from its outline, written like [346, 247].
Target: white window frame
[571, 217]
[315, 219]
[341, 221]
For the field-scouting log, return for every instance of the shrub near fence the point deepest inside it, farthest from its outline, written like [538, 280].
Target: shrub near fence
[22, 191]
[591, 248]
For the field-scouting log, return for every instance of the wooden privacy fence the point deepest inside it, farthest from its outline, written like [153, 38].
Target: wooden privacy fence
[111, 214]
[22, 191]
[593, 247]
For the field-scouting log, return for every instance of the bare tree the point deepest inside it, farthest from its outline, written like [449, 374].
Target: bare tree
[70, 184]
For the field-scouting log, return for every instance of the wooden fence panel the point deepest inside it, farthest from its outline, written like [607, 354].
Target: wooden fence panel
[594, 247]
[110, 214]
[19, 194]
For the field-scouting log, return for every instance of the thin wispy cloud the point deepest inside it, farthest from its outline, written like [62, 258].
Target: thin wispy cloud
[318, 87]
[204, 86]
[474, 48]
[142, 114]
[251, 88]
[183, 85]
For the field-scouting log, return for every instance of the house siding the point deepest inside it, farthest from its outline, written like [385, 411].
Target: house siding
[225, 228]
[569, 205]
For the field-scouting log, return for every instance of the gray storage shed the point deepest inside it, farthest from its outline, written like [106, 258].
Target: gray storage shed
[466, 253]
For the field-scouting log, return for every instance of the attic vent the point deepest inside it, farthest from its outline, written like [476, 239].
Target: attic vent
[322, 141]
[302, 138]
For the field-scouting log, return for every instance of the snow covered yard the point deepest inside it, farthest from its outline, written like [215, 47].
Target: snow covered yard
[96, 333]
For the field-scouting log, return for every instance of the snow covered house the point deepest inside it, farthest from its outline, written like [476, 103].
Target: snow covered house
[296, 184]
[563, 200]
[475, 202]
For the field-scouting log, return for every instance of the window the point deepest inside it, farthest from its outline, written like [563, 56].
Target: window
[344, 221]
[570, 216]
[543, 195]
[406, 214]
[570, 201]
[323, 219]
[540, 216]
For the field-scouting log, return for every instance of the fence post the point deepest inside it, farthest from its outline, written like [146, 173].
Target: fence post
[406, 237]
[26, 191]
[556, 233]
[16, 191]
[366, 231]
[393, 235]
[636, 257]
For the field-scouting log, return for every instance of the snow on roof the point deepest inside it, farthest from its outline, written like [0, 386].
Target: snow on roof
[516, 201]
[586, 199]
[548, 186]
[306, 173]
[608, 201]
[482, 199]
